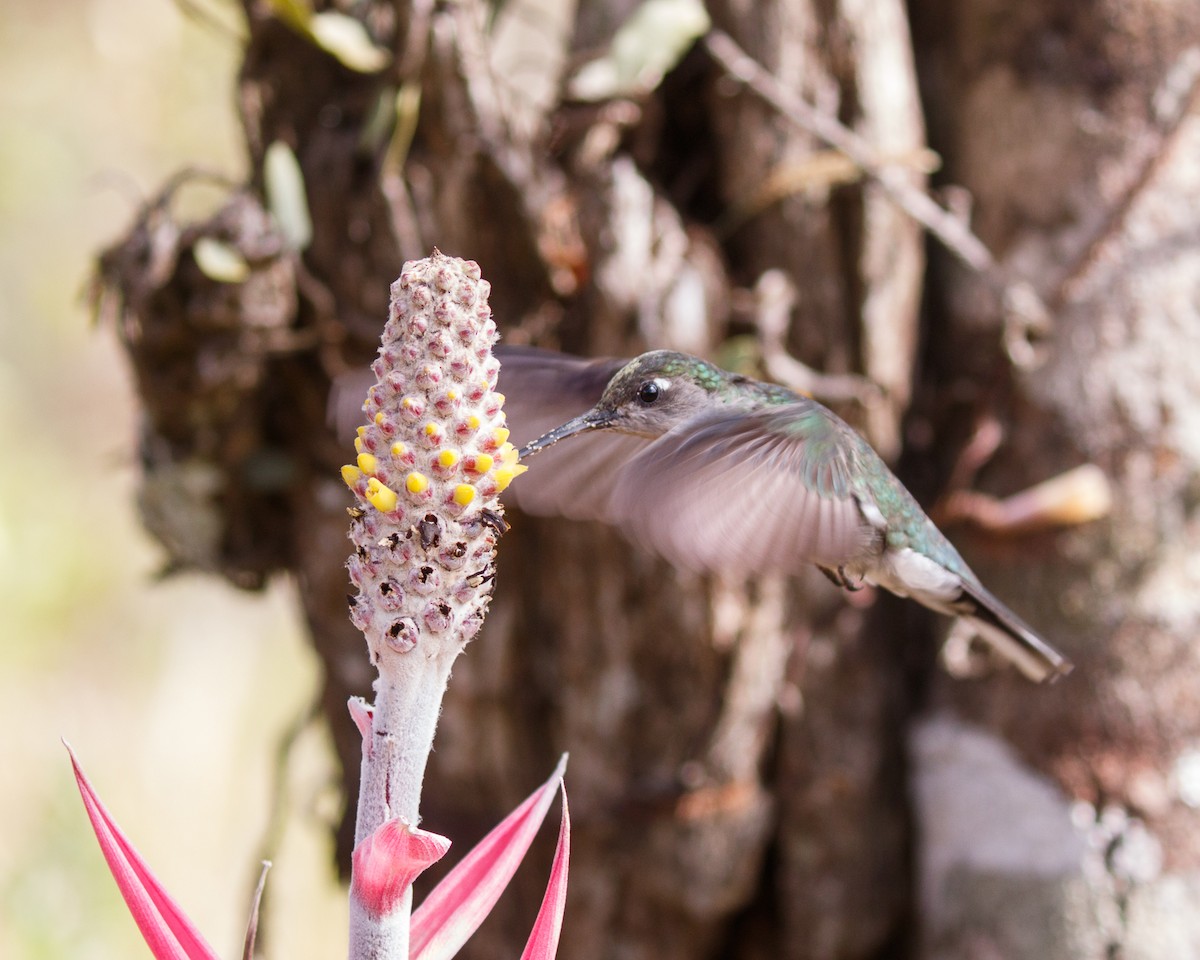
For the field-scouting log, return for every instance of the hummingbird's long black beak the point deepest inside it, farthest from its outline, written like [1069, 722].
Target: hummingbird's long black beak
[592, 420]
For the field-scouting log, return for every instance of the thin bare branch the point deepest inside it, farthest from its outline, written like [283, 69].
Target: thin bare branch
[1022, 308]
[1155, 156]
[956, 236]
[774, 300]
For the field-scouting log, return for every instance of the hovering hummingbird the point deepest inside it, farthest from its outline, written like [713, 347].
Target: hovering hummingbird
[719, 472]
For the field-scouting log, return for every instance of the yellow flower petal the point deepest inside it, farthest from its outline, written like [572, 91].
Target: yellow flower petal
[382, 498]
[505, 475]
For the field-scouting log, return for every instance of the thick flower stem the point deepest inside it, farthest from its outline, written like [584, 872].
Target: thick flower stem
[408, 699]
[374, 937]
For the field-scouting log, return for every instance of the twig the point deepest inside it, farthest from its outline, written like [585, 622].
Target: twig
[536, 185]
[820, 171]
[986, 439]
[1152, 162]
[774, 298]
[1020, 304]
[956, 236]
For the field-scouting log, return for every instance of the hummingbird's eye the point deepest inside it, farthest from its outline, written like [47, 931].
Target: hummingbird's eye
[648, 392]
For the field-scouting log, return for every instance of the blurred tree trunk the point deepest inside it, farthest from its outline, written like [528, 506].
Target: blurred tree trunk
[742, 756]
[1075, 129]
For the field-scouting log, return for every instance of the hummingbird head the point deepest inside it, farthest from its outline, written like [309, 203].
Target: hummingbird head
[646, 397]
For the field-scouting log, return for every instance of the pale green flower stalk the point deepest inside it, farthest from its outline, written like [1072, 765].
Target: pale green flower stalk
[432, 460]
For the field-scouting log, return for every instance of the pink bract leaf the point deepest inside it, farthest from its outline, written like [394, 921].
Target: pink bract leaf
[168, 933]
[543, 939]
[457, 906]
[386, 863]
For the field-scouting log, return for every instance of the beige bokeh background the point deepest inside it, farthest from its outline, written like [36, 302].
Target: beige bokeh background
[175, 693]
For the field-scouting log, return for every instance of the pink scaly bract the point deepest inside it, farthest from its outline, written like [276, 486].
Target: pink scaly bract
[389, 860]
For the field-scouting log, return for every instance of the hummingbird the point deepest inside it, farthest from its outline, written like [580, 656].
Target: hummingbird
[721, 473]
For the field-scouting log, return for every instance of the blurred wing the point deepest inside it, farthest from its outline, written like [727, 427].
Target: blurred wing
[747, 493]
[544, 390]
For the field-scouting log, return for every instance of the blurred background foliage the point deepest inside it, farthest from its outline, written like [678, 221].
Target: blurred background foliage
[156, 683]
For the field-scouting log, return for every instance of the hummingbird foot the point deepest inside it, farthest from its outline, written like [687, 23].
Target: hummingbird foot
[849, 582]
[839, 578]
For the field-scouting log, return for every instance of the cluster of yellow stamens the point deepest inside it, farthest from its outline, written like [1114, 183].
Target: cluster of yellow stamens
[431, 459]
[488, 467]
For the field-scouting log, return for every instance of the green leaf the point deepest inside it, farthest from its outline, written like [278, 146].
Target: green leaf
[295, 13]
[286, 197]
[335, 33]
[645, 48]
[348, 40]
[220, 261]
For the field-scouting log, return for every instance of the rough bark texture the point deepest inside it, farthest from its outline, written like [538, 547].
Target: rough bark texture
[743, 757]
[1062, 120]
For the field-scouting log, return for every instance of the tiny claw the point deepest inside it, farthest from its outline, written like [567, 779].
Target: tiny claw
[839, 578]
[850, 584]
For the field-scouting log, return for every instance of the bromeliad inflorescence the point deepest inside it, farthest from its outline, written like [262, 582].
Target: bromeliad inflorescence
[432, 459]
[431, 463]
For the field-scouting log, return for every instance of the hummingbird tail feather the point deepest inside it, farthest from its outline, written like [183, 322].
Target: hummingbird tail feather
[1012, 637]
